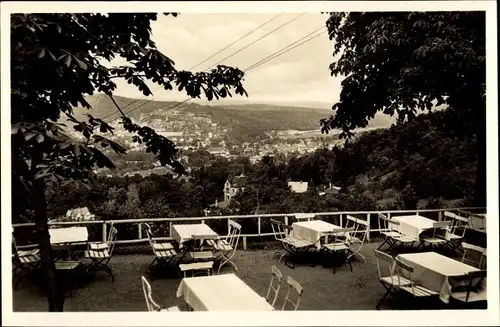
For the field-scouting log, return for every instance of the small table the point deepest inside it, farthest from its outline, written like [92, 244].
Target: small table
[435, 271]
[67, 236]
[413, 226]
[312, 230]
[224, 292]
[184, 233]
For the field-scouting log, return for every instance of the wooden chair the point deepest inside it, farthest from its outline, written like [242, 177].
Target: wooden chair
[385, 270]
[476, 250]
[164, 252]
[357, 237]
[456, 233]
[227, 247]
[150, 303]
[106, 244]
[197, 251]
[274, 285]
[391, 236]
[471, 288]
[404, 273]
[292, 246]
[24, 262]
[100, 258]
[196, 267]
[437, 239]
[298, 290]
[338, 246]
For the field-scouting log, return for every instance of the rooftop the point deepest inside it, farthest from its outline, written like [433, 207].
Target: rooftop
[323, 290]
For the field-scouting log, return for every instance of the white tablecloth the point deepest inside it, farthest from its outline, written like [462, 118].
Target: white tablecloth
[433, 271]
[312, 230]
[413, 225]
[183, 233]
[221, 293]
[68, 235]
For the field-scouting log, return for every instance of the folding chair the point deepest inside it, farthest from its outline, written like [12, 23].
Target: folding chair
[386, 227]
[293, 284]
[472, 288]
[386, 276]
[164, 252]
[227, 247]
[103, 245]
[274, 285]
[476, 250]
[279, 235]
[404, 273]
[148, 295]
[295, 247]
[100, 258]
[24, 262]
[354, 242]
[437, 239]
[339, 247]
[457, 231]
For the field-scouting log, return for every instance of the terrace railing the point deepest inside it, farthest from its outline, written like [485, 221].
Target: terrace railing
[130, 231]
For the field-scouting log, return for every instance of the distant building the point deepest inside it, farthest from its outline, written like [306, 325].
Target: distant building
[234, 185]
[219, 151]
[298, 187]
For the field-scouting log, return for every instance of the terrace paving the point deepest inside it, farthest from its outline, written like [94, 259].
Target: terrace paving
[323, 290]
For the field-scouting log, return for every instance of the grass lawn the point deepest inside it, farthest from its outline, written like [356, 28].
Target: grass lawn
[323, 290]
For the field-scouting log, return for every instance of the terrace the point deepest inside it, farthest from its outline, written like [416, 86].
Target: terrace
[323, 290]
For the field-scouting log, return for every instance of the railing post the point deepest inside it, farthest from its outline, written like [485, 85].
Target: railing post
[203, 221]
[244, 242]
[258, 226]
[140, 230]
[341, 220]
[170, 228]
[440, 216]
[104, 232]
[286, 220]
[368, 216]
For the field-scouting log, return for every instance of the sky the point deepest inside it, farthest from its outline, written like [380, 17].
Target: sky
[300, 76]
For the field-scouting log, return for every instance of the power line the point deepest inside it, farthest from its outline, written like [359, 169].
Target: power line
[226, 47]
[272, 56]
[234, 53]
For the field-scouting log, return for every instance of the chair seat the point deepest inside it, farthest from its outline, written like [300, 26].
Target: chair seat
[393, 280]
[473, 296]
[296, 242]
[165, 253]
[418, 290]
[405, 239]
[336, 246]
[171, 309]
[221, 245]
[162, 246]
[196, 266]
[31, 258]
[98, 246]
[434, 240]
[67, 265]
[22, 253]
[391, 233]
[202, 255]
[97, 254]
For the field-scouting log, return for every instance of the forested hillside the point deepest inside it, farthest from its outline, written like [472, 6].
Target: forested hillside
[416, 164]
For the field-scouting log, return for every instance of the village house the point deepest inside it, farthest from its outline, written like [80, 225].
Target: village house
[234, 185]
[298, 187]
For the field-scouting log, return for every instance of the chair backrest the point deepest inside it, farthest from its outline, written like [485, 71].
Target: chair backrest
[293, 285]
[234, 234]
[360, 227]
[274, 285]
[441, 226]
[472, 281]
[278, 231]
[404, 270]
[459, 222]
[151, 304]
[340, 233]
[149, 233]
[385, 264]
[385, 223]
[113, 234]
[474, 248]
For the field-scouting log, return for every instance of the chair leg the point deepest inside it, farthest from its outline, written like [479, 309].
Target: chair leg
[383, 297]
[383, 243]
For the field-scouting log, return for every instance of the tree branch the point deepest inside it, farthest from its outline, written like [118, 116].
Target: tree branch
[112, 99]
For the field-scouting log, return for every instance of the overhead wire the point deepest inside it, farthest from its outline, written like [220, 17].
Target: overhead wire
[198, 64]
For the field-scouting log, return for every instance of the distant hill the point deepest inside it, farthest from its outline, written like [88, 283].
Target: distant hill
[241, 119]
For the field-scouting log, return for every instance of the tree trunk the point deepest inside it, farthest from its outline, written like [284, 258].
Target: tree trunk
[55, 296]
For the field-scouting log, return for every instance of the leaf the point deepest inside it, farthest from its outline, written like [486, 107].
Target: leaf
[67, 62]
[29, 136]
[41, 54]
[39, 138]
[80, 63]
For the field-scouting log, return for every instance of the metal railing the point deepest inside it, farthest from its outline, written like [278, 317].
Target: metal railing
[337, 217]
